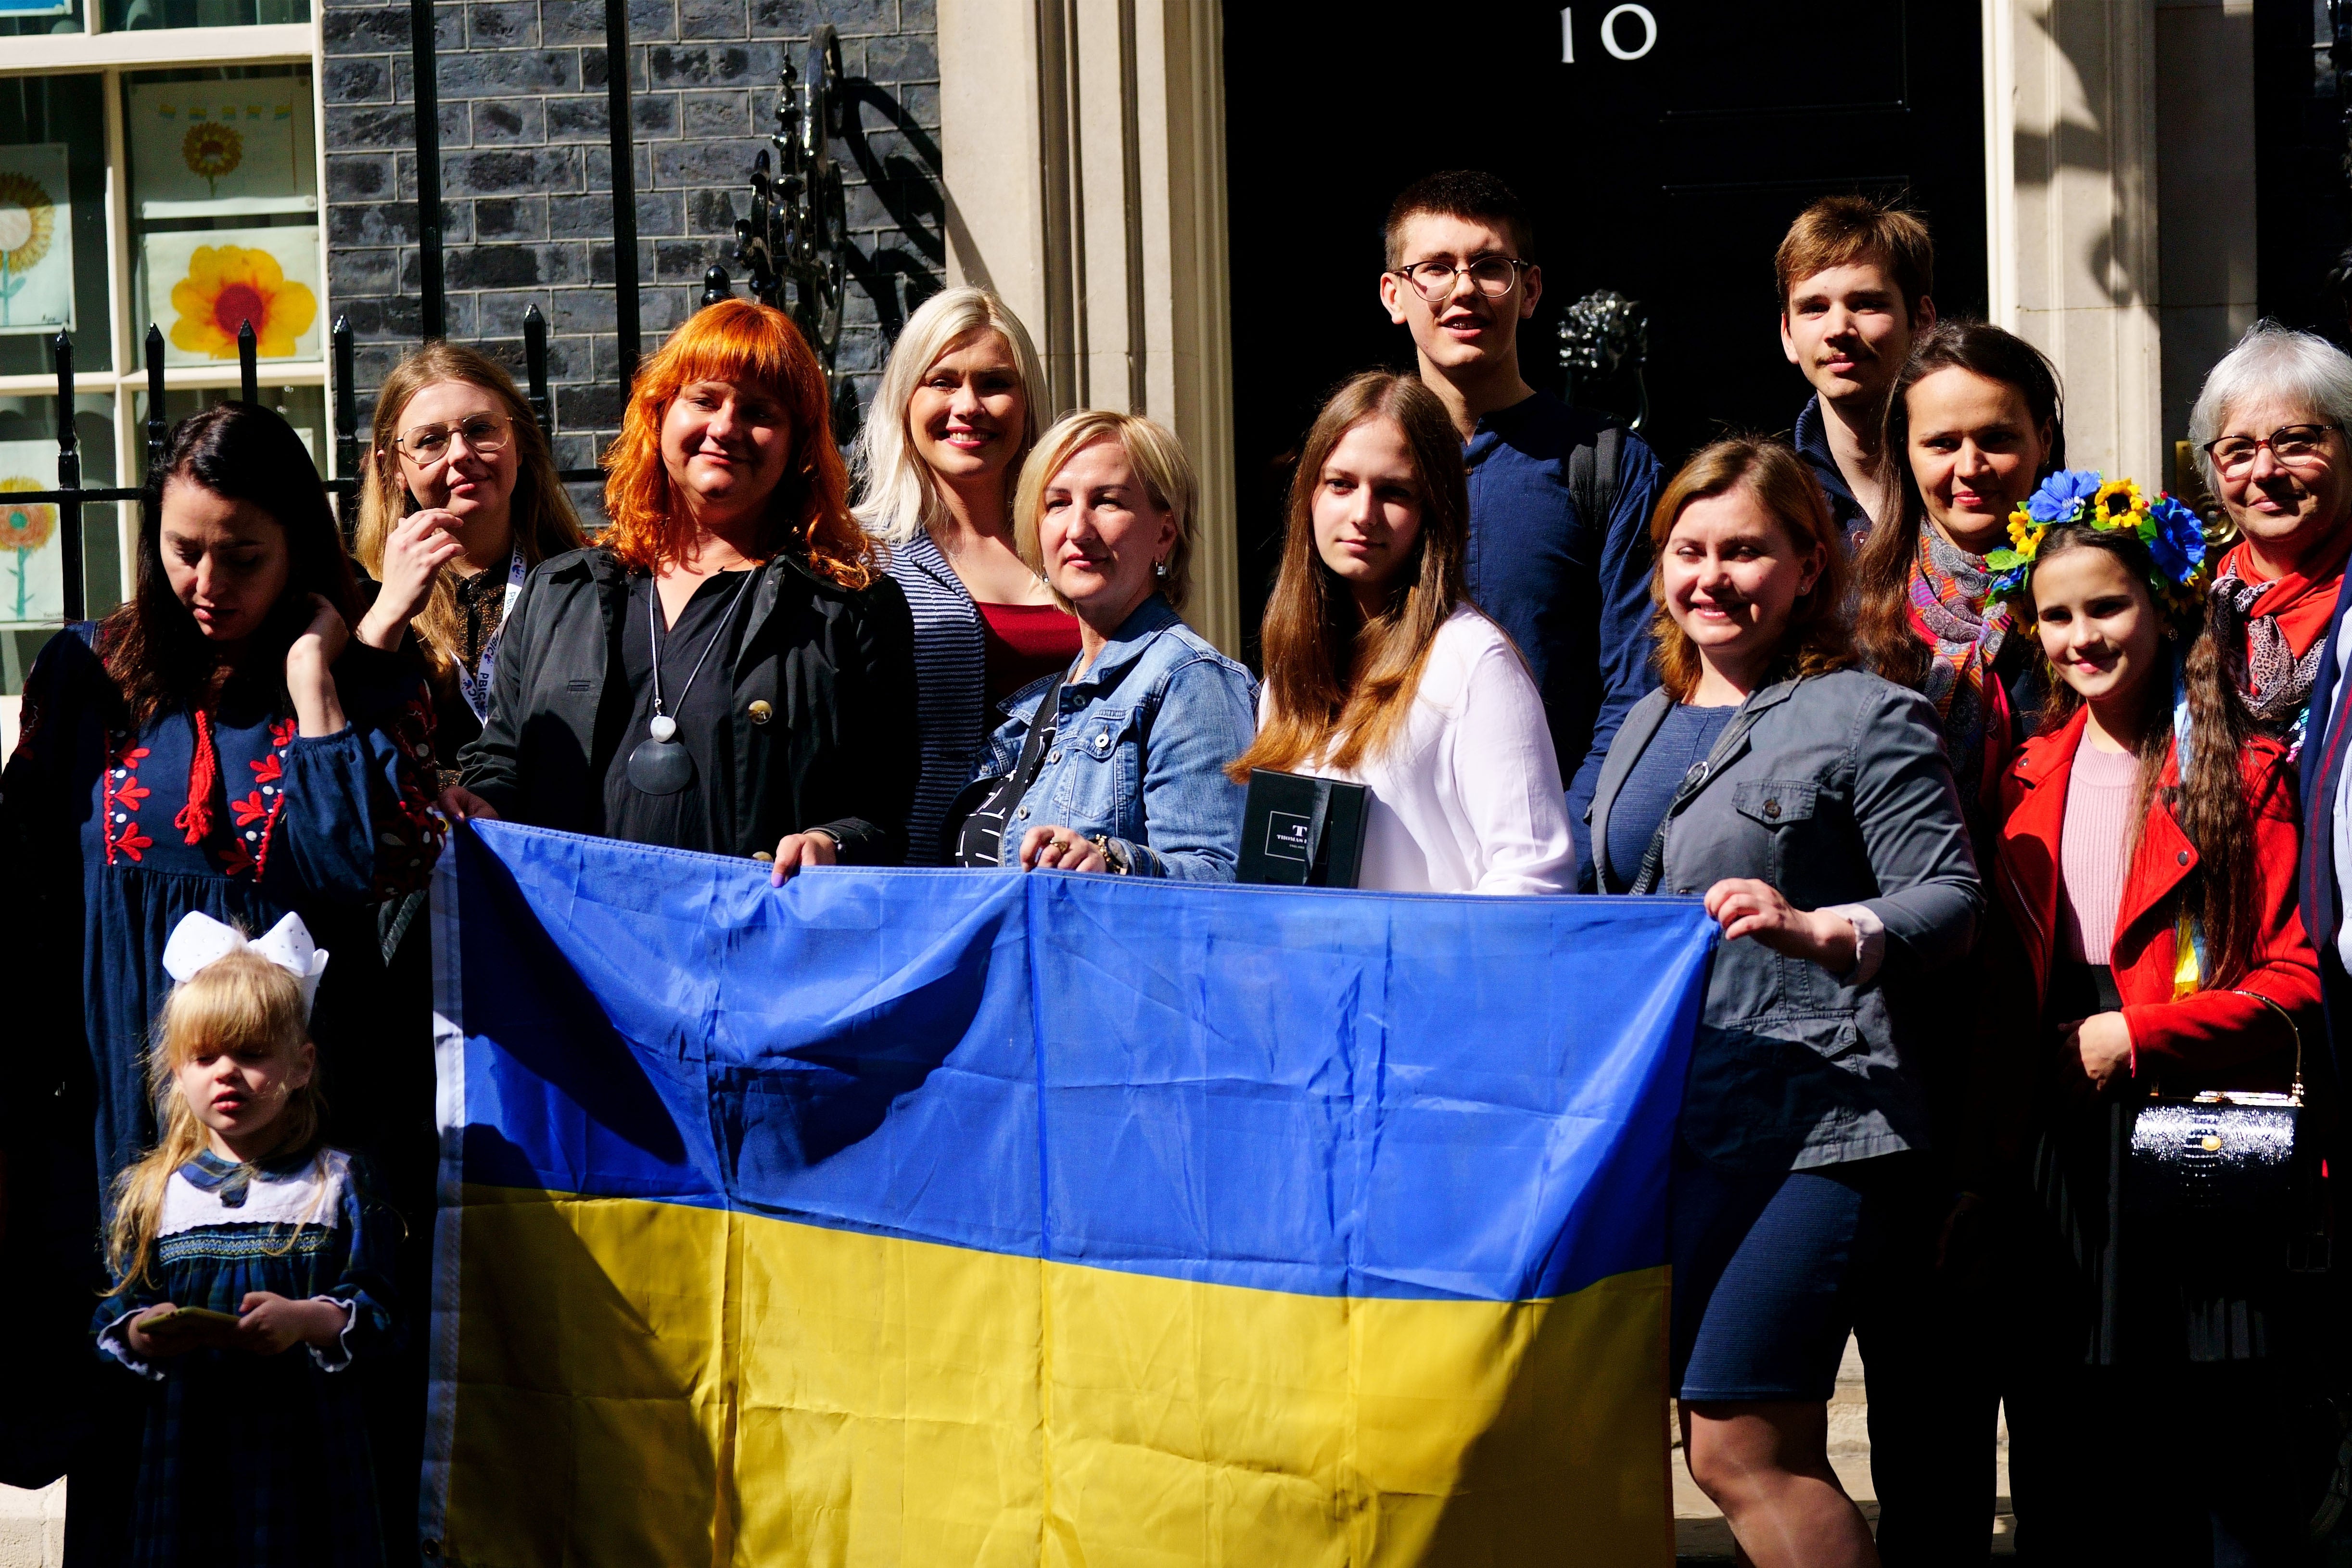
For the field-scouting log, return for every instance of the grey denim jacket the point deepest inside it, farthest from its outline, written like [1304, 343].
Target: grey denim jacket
[1839, 794]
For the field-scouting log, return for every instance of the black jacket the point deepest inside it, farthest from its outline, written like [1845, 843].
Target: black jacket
[824, 707]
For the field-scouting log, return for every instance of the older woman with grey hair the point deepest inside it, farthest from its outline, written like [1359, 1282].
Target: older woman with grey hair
[2269, 430]
[955, 415]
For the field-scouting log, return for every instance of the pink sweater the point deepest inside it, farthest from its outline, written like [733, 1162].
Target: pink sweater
[2091, 850]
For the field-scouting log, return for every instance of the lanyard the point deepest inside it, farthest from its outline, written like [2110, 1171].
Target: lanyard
[476, 683]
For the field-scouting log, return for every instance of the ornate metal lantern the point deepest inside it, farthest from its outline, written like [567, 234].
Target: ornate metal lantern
[1604, 340]
[797, 241]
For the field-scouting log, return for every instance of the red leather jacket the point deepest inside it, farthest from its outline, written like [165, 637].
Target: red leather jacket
[2199, 1038]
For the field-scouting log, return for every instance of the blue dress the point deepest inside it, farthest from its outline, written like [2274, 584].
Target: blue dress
[230, 812]
[258, 1461]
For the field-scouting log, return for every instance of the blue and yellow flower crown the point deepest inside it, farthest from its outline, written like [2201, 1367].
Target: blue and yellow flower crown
[2173, 532]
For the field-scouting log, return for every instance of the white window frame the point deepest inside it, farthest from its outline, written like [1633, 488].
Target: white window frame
[110, 56]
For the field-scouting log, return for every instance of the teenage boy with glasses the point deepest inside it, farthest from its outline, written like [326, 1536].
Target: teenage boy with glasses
[1853, 277]
[1559, 499]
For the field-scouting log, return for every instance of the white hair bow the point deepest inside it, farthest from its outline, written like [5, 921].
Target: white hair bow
[199, 939]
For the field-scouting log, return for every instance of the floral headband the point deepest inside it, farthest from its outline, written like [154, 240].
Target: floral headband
[2173, 532]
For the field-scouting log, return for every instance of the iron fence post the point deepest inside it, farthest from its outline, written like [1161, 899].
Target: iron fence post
[159, 428]
[346, 422]
[70, 540]
[625, 189]
[427, 92]
[717, 285]
[534, 360]
[248, 370]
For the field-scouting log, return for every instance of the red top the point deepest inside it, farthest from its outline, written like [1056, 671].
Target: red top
[1024, 643]
[2211, 1030]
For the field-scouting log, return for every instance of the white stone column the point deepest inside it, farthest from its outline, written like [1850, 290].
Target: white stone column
[2071, 199]
[2205, 153]
[1083, 144]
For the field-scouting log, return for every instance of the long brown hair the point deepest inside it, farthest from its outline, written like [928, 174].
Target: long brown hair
[1815, 641]
[155, 653]
[1882, 568]
[238, 1000]
[544, 523]
[743, 341]
[1338, 686]
[2210, 803]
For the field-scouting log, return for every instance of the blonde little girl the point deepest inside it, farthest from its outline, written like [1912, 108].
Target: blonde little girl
[248, 1275]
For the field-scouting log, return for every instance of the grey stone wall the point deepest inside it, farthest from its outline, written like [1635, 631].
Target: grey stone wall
[527, 175]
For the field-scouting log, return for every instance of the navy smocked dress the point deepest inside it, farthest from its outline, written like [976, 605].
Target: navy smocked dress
[232, 813]
[261, 1461]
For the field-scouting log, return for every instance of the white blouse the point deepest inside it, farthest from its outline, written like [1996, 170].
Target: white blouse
[1467, 798]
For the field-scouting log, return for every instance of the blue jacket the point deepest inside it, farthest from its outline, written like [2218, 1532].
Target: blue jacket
[1812, 444]
[2327, 740]
[1139, 751]
[1572, 592]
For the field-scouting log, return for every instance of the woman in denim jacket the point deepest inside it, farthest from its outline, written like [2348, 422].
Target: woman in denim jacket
[1810, 805]
[1116, 765]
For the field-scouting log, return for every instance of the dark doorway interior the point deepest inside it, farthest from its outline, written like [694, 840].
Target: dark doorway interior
[2301, 206]
[1669, 178]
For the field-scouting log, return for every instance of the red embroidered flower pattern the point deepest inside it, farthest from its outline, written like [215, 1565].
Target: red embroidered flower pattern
[130, 842]
[120, 798]
[283, 734]
[268, 769]
[250, 810]
[234, 860]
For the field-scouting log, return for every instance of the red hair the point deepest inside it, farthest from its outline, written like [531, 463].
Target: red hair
[740, 341]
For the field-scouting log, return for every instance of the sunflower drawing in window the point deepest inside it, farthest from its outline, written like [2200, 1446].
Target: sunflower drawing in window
[211, 150]
[28, 221]
[24, 528]
[229, 285]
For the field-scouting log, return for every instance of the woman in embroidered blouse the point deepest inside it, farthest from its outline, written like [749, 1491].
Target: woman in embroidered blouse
[458, 502]
[216, 744]
[938, 485]
[1378, 670]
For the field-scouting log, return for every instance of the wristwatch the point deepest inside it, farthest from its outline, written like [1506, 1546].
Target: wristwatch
[1114, 854]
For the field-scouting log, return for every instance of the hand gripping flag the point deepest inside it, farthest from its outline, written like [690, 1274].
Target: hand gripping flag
[970, 1217]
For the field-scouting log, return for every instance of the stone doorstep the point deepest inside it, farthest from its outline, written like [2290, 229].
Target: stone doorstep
[32, 1527]
[1702, 1534]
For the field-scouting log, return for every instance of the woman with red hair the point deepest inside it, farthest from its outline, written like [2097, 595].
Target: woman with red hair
[726, 669]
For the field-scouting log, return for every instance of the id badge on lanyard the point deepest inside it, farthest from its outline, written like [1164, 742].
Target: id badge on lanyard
[476, 683]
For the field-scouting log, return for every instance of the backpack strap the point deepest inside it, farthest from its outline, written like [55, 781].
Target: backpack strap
[1593, 474]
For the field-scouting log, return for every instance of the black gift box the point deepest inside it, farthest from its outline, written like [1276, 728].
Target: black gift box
[1303, 831]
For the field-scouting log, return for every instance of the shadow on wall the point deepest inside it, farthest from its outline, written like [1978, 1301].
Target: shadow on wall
[896, 278]
[2083, 39]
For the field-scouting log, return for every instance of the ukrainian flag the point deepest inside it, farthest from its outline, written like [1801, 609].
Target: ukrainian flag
[957, 1218]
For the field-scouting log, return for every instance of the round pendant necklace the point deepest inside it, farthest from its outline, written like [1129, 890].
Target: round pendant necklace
[660, 765]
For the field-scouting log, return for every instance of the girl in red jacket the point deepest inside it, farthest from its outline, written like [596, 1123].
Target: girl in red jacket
[2147, 861]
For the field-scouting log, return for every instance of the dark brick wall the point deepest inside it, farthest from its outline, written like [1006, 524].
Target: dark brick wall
[527, 173]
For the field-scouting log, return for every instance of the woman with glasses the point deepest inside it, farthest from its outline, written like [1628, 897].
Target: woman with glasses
[727, 669]
[2269, 431]
[938, 479]
[459, 501]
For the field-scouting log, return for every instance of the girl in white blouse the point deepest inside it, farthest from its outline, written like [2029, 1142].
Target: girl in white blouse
[1378, 670]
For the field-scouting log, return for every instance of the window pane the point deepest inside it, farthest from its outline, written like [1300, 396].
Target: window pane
[30, 19]
[53, 222]
[32, 559]
[224, 211]
[121, 15]
[304, 408]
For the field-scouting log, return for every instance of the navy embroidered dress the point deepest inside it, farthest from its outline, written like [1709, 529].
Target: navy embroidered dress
[260, 1461]
[232, 813]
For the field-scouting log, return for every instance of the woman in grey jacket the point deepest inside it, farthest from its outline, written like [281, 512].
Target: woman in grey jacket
[1810, 805]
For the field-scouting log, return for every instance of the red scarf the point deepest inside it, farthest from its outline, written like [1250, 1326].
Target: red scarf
[2300, 602]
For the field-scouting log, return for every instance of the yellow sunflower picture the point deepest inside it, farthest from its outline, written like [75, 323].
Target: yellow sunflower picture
[23, 529]
[228, 285]
[211, 150]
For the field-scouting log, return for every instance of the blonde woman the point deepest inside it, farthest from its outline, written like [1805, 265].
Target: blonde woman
[938, 482]
[460, 500]
[1118, 763]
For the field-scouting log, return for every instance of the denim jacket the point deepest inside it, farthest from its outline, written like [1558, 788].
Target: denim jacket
[1139, 753]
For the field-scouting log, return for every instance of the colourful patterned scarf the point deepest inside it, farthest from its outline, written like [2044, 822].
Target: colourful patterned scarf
[2281, 620]
[1948, 594]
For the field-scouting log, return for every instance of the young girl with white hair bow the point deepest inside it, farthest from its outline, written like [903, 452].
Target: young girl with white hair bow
[248, 1274]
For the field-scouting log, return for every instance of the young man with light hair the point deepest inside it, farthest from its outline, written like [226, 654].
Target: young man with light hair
[1855, 277]
[1559, 498]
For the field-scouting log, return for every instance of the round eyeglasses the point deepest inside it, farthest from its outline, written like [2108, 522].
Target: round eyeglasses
[429, 444]
[2294, 445]
[1493, 276]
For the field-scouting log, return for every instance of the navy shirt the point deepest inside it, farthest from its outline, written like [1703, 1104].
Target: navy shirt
[1812, 444]
[1683, 740]
[1572, 592]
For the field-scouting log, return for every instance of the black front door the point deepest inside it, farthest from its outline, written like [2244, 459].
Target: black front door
[1666, 169]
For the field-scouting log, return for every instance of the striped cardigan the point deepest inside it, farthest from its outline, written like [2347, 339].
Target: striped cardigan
[950, 704]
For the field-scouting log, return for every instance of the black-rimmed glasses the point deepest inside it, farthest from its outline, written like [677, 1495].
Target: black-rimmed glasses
[1493, 276]
[2294, 445]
